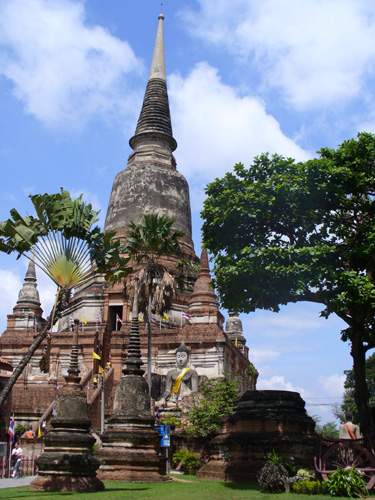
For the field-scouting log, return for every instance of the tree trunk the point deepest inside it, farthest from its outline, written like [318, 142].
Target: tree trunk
[24, 361]
[361, 393]
[149, 345]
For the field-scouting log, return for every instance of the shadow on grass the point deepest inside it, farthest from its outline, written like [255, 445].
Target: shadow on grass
[14, 494]
[126, 489]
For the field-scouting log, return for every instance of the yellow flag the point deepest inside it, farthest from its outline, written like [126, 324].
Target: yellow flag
[96, 356]
[165, 317]
[101, 370]
[40, 433]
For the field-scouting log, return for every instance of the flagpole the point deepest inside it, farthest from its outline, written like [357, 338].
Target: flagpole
[102, 404]
[10, 456]
[10, 451]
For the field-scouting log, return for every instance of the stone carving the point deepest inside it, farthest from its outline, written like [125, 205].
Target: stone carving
[181, 381]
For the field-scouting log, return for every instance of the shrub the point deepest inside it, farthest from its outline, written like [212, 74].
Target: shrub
[273, 476]
[274, 458]
[328, 430]
[346, 483]
[190, 461]
[218, 402]
[171, 421]
[20, 429]
[309, 487]
[305, 474]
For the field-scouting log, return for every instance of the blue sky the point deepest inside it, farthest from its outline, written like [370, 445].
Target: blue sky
[244, 76]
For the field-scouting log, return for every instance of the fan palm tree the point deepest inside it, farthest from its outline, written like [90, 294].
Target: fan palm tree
[152, 286]
[64, 241]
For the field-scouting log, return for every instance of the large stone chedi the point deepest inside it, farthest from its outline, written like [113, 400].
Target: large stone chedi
[151, 183]
[67, 463]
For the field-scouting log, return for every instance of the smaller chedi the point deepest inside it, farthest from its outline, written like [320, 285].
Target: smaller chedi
[67, 462]
[181, 381]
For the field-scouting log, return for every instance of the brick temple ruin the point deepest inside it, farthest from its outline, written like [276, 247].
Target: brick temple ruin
[150, 183]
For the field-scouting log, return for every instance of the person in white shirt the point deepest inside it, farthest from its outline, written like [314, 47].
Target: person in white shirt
[16, 460]
[348, 430]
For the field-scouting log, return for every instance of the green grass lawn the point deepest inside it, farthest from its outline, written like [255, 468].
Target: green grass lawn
[176, 489]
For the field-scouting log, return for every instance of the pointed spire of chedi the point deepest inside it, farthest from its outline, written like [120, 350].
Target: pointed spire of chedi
[155, 120]
[151, 183]
[27, 313]
[203, 305]
[29, 295]
[158, 59]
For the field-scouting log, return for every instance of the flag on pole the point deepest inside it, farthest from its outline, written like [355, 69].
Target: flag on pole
[40, 432]
[11, 429]
[161, 322]
[95, 355]
[154, 321]
[186, 316]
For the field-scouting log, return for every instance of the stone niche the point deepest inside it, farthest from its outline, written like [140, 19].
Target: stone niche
[263, 421]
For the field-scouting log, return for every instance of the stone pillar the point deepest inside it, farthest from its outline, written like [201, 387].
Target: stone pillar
[67, 463]
[130, 443]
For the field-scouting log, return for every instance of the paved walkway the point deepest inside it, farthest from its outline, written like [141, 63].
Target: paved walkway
[13, 483]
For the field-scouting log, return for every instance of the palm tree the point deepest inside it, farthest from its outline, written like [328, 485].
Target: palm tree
[152, 286]
[62, 240]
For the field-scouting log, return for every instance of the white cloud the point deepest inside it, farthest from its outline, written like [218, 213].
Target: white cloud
[317, 52]
[259, 356]
[333, 385]
[62, 69]
[281, 325]
[10, 284]
[217, 127]
[278, 382]
[47, 291]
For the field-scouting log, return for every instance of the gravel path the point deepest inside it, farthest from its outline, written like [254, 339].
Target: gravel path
[13, 483]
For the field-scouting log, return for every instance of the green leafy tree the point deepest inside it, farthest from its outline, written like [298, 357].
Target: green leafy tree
[285, 231]
[63, 240]
[218, 402]
[152, 287]
[347, 409]
[328, 430]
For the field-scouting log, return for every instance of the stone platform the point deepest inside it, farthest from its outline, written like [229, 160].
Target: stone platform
[263, 421]
[129, 454]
